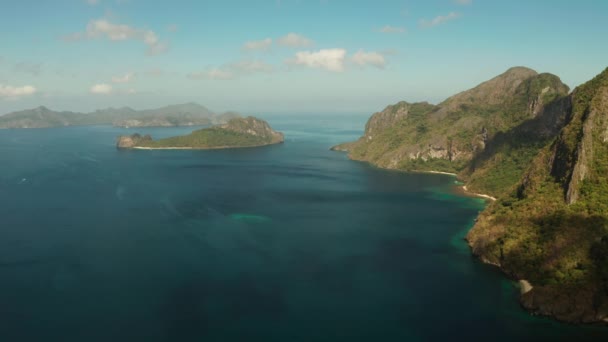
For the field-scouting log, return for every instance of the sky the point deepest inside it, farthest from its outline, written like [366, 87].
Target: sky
[284, 56]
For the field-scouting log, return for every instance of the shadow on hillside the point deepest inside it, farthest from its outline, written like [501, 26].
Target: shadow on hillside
[531, 134]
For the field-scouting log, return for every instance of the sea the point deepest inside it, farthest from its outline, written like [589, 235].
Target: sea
[290, 242]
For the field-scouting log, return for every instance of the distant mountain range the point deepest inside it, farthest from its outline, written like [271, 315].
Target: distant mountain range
[188, 114]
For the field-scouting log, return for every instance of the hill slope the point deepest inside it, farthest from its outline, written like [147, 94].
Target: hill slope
[188, 114]
[552, 229]
[447, 137]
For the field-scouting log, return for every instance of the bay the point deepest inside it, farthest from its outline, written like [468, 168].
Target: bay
[290, 242]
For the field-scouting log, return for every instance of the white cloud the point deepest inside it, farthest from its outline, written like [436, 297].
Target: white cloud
[463, 2]
[101, 88]
[232, 71]
[157, 49]
[172, 28]
[442, 19]
[260, 45]
[392, 29]
[295, 40]
[328, 59]
[211, 74]
[103, 28]
[126, 78]
[11, 92]
[92, 2]
[363, 58]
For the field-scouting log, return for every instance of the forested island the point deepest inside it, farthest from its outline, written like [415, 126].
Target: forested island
[237, 133]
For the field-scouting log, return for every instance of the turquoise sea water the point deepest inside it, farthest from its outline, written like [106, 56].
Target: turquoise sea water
[283, 243]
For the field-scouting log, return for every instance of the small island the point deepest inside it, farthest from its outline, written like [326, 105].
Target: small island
[237, 133]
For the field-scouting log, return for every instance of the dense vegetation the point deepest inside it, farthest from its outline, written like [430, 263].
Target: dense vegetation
[209, 138]
[238, 132]
[552, 229]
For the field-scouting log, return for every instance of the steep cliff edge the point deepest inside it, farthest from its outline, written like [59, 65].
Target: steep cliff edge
[446, 137]
[552, 229]
[238, 132]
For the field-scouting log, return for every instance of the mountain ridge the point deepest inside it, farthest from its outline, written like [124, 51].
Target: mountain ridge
[187, 114]
[424, 137]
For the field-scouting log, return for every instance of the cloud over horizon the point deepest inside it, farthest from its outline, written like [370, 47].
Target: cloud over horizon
[438, 20]
[392, 29]
[363, 58]
[258, 45]
[328, 59]
[126, 78]
[12, 92]
[103, 28]
[101, 89]
[232, 71]
[295, 40]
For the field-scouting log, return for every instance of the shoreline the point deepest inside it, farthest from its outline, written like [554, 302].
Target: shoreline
[199, 148]
[439, 173]
[161, 148]
[488, 197]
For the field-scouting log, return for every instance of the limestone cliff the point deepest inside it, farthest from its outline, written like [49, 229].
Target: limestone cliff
[130, 141]
[254, 127]
[446, 137]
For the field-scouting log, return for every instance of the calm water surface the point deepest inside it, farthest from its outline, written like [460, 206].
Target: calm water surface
[283, 243]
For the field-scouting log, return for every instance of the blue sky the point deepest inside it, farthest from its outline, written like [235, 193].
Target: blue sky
[284, 55]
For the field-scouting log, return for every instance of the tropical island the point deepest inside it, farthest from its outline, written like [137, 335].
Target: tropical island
[187, 114]
[542, 153]
[237, 133]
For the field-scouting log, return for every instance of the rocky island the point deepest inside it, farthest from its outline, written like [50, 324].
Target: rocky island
[237, 133]
[542, 152]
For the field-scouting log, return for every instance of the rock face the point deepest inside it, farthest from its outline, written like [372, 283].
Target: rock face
[421, 136]
[552, 229]
[130, 141]
[239, 132]
[254, 127]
